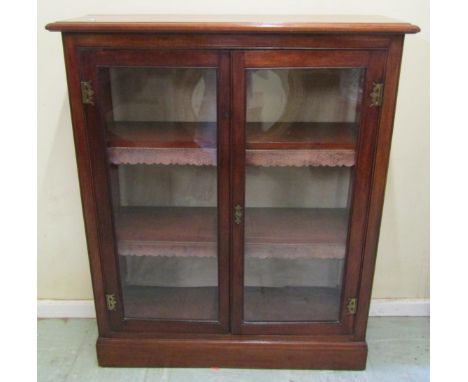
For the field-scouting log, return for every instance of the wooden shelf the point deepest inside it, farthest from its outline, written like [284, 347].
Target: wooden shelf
[171, 231]
[165, 143]
[190, 143]
[301, 144]
[162, 134]
[301, 135]
[270, 232]
[294, 135]
[260, 304]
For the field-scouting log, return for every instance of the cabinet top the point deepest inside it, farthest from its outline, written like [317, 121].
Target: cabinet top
[233, 23]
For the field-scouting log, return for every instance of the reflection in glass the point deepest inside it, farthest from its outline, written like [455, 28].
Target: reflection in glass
[161, 136]
[301, 129]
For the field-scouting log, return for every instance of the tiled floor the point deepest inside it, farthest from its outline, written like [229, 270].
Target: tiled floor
[398, 351]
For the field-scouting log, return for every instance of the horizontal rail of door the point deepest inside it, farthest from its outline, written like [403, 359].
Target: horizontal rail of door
[304, 59]
[163, 58]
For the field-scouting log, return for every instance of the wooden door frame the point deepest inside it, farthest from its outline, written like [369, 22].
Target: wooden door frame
[90, 61]
[374, 63]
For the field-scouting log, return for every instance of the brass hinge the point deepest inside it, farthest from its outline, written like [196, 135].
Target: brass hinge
[352, 305]
[376, 94]
[87, 93]
[111, 302]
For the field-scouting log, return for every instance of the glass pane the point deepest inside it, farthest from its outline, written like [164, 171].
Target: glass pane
[161, 137]
[301, 128]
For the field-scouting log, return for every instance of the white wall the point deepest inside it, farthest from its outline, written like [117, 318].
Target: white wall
[403, 255]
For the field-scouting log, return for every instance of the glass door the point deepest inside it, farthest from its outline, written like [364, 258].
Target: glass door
[305, 114]
[162, 129]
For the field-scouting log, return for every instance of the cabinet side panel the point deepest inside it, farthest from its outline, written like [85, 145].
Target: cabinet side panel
[86, 178]
[378, 182]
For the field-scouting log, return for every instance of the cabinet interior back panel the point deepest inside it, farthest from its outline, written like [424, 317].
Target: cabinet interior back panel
[195, 186]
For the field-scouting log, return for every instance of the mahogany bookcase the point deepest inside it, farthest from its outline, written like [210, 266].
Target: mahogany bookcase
[232, 174]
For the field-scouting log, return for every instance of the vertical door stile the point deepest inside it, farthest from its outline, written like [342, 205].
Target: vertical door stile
[238, 187]
[224, 105]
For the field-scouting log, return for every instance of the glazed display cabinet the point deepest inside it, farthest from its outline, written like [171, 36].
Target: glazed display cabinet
[232, 175]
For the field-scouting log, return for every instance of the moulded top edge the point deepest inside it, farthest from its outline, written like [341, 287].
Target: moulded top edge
[233, 23]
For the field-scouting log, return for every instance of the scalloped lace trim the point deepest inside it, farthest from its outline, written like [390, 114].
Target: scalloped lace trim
[207, 157]
[261, 251]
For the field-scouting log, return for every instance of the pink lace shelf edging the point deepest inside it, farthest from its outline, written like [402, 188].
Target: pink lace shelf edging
[300, 158]
[165, 156]
[260, 251]
[207, 157]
